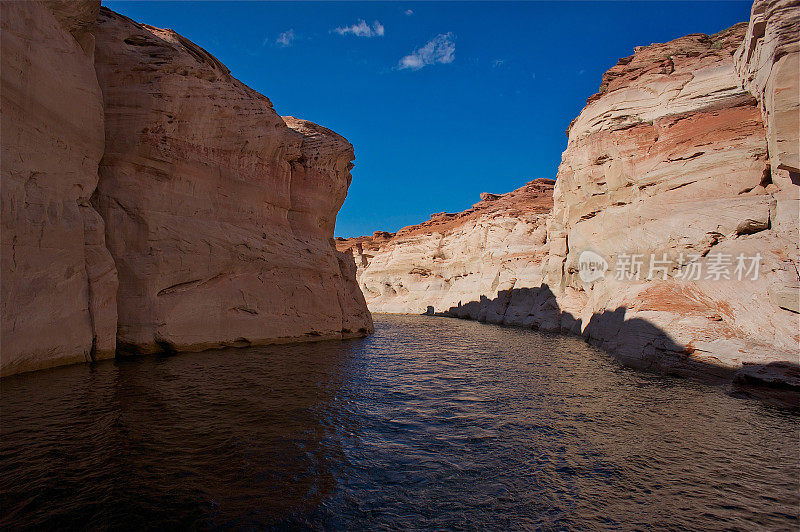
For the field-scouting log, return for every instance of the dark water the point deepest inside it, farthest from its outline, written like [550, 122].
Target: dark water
[431, 423]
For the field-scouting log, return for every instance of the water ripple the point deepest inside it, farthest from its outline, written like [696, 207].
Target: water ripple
[430, 423]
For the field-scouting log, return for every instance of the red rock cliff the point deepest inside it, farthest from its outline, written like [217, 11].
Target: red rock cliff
[58, 279]
[671, 159]
[682, 165]
[218, 213]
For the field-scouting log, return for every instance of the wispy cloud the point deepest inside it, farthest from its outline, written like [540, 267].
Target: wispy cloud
[362, 29]
[440, 49]
[409, 12]
[285, 39]
[498, 63]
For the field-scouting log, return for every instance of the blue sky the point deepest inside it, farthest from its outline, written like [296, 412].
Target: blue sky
[442, 101]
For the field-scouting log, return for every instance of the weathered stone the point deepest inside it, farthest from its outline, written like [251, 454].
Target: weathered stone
[496, 245]
[768, 61]
[672, 159]
[58, 279]
[219, 216]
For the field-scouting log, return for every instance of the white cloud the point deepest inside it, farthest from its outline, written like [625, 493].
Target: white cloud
[285, 39]
[498, 63]
[362, 29]
[409, 12]
[441, 49]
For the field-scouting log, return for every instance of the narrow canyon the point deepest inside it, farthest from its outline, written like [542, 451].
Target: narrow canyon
[153, 203]
[682, 168]
[607, 341]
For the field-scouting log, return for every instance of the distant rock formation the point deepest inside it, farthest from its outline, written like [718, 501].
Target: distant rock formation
[497, 244]
[212, 220]
[673, 239]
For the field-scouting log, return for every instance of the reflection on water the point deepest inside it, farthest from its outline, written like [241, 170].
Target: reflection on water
[430, 423]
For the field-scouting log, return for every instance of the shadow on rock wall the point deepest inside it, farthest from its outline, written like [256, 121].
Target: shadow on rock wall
[634, 342]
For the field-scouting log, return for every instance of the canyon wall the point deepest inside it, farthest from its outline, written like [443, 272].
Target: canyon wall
[496, 245]
[151, 202]
[768, 62]
[673, 239]
[669, 163]
[58, 279]
[218, 214]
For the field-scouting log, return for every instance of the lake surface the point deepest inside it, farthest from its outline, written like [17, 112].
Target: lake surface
[430, 423]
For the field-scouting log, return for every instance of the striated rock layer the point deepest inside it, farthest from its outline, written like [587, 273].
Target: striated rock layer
[219, 213]
[58, 279]
[673, 239]
[670, 162]
[769, 64]
[212, 220]
[496, 245]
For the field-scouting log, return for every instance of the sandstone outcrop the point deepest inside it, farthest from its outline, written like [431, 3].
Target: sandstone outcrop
[218, 214]
[211, 223]
[58, 279]
[768, 62]
[456, 257]
[670, 163]
[673, 239]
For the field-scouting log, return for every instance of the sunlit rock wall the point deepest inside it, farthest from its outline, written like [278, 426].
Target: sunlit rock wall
[219, 215]
[453, 258]
[669, 163]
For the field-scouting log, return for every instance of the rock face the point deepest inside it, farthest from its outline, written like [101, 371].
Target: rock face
[212, 221]
[496, 245]
[673, 239]
[768, 62]
[218, 214]
[58, 279]
[669, 163]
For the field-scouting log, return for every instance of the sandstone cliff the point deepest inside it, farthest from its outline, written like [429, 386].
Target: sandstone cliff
[457, 257]
[219, 215]
[215, 214]
[768, 63]
[671, 158]
[58, 279]
[679, 183]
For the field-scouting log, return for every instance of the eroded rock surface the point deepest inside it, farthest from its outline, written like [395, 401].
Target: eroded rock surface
[496, 245]
[58, 279]
[672, 158]
[219, 215]
[682, 162]
[670, 163]
[211, 224]
[768, 62]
